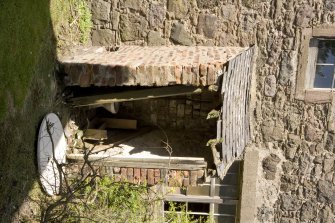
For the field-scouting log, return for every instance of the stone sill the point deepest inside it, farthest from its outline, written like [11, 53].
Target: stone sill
[318, 95]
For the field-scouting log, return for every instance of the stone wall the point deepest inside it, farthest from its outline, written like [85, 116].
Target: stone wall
[296, 178]
[182, 112]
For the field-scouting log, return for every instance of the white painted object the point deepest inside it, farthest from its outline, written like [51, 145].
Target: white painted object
[112, 107]
[48, 155]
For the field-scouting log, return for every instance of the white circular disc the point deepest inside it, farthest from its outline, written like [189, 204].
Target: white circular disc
[48, 155]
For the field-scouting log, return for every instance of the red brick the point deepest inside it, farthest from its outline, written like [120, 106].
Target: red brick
[86, 76]
[177, 73]
[111, 76]
[211, 74]
[116, 169]
[157, 172]
[123, 174]
[141, 75]
[74, 74]
[200, 173]
[137, 175]
[118, 76]
[187, 75]
[169, 72]
[156, 78]
[195, 76]
[130, 175]
[186, 182]
[117, 178]
[194, 177]
[203, 75]
[144, 175]
[151, 177]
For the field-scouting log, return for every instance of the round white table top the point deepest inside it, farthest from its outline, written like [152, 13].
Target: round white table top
[51, 152]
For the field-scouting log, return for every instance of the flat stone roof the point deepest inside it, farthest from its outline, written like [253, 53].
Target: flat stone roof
[146, 66]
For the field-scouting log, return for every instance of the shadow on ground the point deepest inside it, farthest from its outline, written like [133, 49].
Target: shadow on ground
[27, 92]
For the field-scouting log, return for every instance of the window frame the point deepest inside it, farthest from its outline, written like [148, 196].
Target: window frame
[306, 70]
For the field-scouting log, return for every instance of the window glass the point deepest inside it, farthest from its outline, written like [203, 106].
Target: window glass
[326, 51]
[324, 76]
[325, 63]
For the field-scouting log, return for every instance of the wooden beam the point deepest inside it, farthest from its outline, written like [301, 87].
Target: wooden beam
[200, 199]
[115, 123]
[134, 95]
[95, 134]
[150, 165]
[161, 159]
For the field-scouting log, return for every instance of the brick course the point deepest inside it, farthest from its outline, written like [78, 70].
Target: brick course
[146, 66]
[150, 177]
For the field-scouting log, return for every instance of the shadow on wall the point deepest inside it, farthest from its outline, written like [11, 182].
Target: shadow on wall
[27, 90]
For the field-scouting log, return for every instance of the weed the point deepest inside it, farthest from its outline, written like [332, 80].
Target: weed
[85, 21]
[178, 213]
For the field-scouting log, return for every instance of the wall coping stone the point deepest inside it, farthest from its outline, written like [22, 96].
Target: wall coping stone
[146, 66]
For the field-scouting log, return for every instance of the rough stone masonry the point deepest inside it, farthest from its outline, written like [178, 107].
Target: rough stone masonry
[296, 182]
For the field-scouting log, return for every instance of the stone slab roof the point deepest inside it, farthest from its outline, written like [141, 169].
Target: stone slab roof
[146, 66]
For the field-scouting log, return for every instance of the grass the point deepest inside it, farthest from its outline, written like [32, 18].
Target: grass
[31, 33]
[24, 25]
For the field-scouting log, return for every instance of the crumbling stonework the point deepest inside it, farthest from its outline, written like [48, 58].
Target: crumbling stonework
[298, 184]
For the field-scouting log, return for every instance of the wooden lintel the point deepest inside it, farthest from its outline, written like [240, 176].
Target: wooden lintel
[200, 199]
[115, 123]
[151, 165]
[95, 134]
[134, 95]
[161, 159]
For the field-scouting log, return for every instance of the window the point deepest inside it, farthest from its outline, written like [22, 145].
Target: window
[321, 63]
[315, 82]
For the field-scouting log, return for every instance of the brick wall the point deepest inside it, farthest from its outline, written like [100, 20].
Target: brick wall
[174, 178]
[146, 66]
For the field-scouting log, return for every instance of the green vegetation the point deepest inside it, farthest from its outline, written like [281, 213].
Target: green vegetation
[178, 213]
[102, 199]
[32, 31]
[97, 199]
[85, 21]
[24, 26]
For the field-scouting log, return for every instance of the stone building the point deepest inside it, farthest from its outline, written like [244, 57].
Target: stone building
[289, 159]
